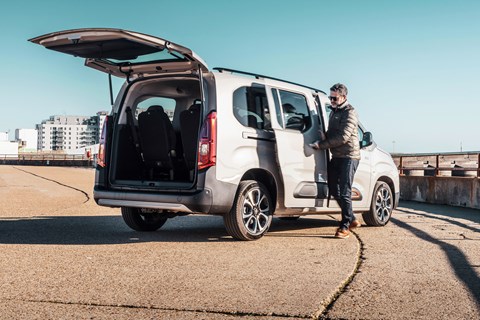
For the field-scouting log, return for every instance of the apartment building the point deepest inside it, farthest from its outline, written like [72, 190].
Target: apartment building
[68, 133]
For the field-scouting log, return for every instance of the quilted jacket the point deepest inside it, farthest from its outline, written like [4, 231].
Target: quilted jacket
[342, 134]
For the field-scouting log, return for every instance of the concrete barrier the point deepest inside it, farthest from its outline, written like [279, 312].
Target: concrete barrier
[455, 191]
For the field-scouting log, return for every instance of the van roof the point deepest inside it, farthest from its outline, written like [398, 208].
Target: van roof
[258, 76]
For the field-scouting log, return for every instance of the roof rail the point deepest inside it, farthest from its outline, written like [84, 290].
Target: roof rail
[257, 76]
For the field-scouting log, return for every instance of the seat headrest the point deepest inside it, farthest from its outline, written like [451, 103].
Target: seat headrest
[195, 106]
[288, 108]
[156, 108]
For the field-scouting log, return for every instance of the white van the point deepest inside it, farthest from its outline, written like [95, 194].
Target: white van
[183, 139]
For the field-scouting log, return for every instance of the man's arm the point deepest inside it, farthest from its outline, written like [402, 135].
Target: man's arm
[342, 135]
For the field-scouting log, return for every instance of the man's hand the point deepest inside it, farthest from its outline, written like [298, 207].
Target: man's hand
[314, 145]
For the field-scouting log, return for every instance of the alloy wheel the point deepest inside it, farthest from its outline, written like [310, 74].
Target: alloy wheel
[383, 204]
[256, 211]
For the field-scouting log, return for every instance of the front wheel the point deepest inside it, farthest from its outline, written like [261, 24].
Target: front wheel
[141, 219]
[251, 214]
[381, 207]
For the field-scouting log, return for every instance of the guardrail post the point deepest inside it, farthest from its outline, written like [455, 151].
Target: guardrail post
[401, 165]
[478, 166]
[437, 161]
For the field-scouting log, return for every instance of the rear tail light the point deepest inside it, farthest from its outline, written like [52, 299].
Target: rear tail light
[207, 148]
[101, 145]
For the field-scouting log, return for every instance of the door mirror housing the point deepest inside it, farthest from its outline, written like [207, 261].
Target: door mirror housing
[367, 140]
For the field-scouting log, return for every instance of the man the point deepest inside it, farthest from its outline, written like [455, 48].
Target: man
[342, 140]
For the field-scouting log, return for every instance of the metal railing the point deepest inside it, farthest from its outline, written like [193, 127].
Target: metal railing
[44, 156]
[457, 164]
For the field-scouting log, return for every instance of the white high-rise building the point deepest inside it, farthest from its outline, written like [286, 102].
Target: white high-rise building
[27, 139]
[69, 133]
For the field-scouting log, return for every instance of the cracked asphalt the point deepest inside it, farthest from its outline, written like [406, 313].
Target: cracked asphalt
[64, 257]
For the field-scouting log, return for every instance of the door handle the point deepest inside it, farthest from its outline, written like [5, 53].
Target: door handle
[262, 135]
[249, 135]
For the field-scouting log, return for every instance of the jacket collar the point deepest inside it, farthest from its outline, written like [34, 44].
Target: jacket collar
[342, 106]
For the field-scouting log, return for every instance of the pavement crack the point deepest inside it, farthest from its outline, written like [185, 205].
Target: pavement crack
[330, 302]
[206, 311]
[57, 182]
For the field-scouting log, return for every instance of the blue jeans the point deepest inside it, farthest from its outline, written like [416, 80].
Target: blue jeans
[340, 178]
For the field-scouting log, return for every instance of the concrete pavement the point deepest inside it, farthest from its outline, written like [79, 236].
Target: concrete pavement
[62, 256]
[425, 264]
[59, 248]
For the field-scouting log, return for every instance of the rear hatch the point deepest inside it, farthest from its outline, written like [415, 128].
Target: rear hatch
[142, 60]
[122, 53]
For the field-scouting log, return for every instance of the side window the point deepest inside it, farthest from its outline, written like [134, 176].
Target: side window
[296, 115]
[250, 107]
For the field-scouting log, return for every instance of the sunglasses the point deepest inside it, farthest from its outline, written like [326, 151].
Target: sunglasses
[333, 98]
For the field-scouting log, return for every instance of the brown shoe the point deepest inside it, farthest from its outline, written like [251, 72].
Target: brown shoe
[342, 233]
[355, 224]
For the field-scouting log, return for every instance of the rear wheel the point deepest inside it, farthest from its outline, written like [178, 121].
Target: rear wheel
[251, 215]
[141, 219]
[381, 207]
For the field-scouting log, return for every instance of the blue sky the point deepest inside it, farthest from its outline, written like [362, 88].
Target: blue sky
[412, 67]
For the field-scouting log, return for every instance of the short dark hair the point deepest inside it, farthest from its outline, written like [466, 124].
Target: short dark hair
[339, 88]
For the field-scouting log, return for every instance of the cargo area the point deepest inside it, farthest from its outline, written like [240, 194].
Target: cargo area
[156, 134]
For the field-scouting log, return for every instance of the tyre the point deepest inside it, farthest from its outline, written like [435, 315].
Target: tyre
[381, 207]
[140, 219]
[251, 214]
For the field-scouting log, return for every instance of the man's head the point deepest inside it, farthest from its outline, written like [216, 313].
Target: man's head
[338, 94]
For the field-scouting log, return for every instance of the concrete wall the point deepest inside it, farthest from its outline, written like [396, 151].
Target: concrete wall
[455, 191]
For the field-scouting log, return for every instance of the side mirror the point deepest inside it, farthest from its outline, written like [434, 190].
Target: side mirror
[367, 140]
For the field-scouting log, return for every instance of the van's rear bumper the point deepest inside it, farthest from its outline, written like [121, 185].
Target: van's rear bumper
[217, 198]
[188, 203]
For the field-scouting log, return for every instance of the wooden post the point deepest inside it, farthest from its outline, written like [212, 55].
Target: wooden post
[478, 166]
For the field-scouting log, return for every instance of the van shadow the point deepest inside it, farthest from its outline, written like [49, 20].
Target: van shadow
[300, 227]
[98, 230]
[302, 223]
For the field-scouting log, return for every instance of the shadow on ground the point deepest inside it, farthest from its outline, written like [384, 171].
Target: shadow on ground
[457, 259]
[94, 230]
